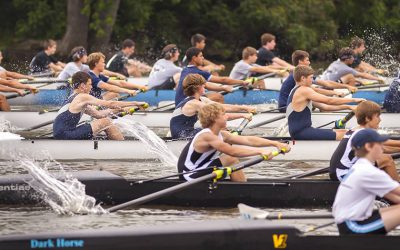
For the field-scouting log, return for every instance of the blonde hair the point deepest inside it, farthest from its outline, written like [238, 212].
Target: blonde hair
[192, 83]
[209, 113]
[94, 58]
[301, 71]
[247, 52]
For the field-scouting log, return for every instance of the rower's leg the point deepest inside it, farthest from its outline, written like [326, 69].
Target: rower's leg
[216, 97]
[390, 216]
[113, 133]
[4, 104]
[386, 163]
[340, 133]
[348, 79]
[227, 161]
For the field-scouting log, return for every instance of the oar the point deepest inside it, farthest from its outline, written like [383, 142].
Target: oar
[215, 175]
[44, 81]
[308, 173]
[126, 96]
[277, 118]
[373, 86]
[41, 125]
[242, 125]
[252, 213]
[27, 92]
[42, 74]
[272, 110]
[341, 123]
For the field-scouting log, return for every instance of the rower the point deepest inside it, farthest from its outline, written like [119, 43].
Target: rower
[266, 56]
[368, 116]
[202, 152]
[340, 70]
[300, 103]
[353, 206]
[66, 127]
[247, 67]
[165, 74]
[196, 59]
[101, 82]
[79, 60]
[199, 41]
[185, 114]
[392, 97]
[301, 57]
[358, 46]
[121, 63]
[45, 61]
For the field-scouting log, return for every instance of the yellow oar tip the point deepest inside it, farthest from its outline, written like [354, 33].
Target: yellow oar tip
[146, 105]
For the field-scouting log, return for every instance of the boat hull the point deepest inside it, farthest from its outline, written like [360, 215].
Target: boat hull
[134, 150]
[110, 189]
[27, 119]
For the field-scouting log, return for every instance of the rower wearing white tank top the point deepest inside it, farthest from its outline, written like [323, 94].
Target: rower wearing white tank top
[200, 155]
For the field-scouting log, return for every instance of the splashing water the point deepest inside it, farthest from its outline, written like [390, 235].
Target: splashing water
[154, 143]
[65, 197]
[5, 125]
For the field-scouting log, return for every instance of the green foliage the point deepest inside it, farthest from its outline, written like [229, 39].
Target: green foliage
[319, 26]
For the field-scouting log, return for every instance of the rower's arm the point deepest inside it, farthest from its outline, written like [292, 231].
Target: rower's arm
[93, 112]
[310, 94]
[394, 195]
[16, 75]
[113, 88]
[335, 85]
[390, 149]
[324, 91]
[263, 69]
[235, 151]
[55, 67]
[214, 87]
[227, 80]
[4, 88]
[368, 76]
[127, 85]
[239, 108]
[326, 107]
[392, 143]
[15, 84]
[282, 63]
[86, 99]
[254, 141]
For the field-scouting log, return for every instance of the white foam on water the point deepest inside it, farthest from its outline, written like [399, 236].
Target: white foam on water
[7, 136]
[5, 125]
[63, 193]
[154, 143]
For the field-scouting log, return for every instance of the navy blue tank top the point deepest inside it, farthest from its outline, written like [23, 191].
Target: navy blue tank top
[180, 122]
[66, 120]
[297, 121]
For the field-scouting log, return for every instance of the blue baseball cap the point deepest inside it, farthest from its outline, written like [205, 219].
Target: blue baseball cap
[365, 136]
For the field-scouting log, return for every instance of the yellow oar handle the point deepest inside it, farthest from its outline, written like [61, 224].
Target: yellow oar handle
[222, 173]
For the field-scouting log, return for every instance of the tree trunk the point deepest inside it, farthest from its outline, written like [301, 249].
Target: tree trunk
[77, 27]
[99, 42]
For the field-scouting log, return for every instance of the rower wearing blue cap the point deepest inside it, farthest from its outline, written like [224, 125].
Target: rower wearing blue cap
[353, 206]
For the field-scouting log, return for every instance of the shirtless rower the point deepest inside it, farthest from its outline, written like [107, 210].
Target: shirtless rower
[368, 116]
[300, 103]
[66, 127]
[353, 208]
[102, 83]
[202, 151]
[301, 57]
[340, 70]
[195, 57]
[185, 114]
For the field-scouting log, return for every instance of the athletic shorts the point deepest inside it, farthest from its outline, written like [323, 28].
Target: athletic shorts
[82, 132]
[372, 225]
[168, 84]
[315, 134]
[215, 163]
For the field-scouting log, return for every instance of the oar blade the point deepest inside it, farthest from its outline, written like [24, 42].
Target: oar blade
[252, 213]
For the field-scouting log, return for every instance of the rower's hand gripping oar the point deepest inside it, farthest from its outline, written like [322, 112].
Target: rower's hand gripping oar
[124, 97]
[215, 175]
[27, 92]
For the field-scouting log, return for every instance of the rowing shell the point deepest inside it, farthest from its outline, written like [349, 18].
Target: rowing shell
[51, 96]
[134, 149]
[194, 235]
[111, 189]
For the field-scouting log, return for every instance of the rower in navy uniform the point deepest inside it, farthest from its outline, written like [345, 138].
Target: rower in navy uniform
[300, 104]
[66, 127]
[353, 206]
[202, 152]
[184, 116]
[368, 116]
[196, 59]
